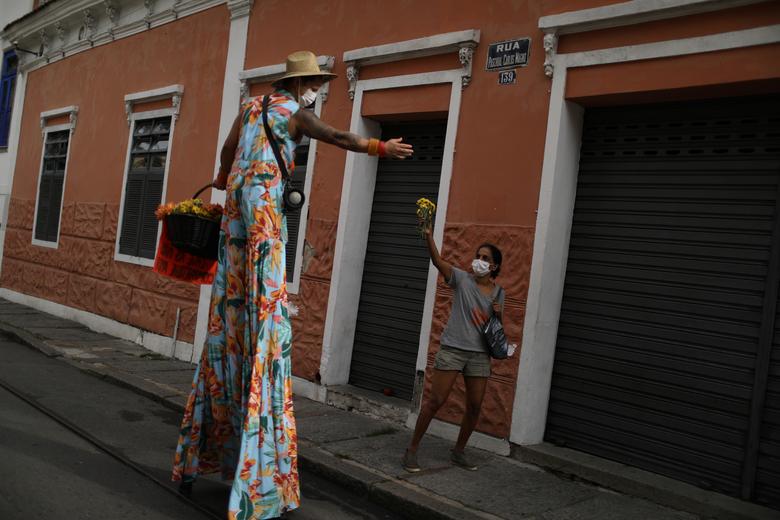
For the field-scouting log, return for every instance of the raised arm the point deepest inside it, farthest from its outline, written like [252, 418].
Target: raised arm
[304, 122]
[444, 267]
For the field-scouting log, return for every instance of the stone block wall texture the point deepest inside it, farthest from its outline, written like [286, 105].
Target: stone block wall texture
[81, 271]
[460, 244]
[312, 298]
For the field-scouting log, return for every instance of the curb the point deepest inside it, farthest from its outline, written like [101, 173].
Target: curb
[394, 494]
[24, 337]
[635, 482]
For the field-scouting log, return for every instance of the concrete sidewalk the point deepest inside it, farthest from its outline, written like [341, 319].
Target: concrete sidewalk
[356, 451]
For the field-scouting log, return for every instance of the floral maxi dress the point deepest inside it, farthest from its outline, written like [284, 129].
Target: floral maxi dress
[239, 416]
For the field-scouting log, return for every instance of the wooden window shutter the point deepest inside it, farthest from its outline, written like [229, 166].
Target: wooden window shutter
[44, 198]
[131, 218]
[144, 188]
[47, 219]
[147, 246]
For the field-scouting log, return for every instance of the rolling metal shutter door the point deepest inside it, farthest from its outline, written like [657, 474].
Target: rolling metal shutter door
[387, 335]
[664, 294]
[767, 487]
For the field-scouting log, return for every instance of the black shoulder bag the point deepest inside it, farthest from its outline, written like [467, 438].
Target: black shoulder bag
[293, 197]
[493, 330]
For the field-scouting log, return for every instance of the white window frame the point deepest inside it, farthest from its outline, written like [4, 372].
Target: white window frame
[72, 111]
[560, 169]
[134, 117]
[353, 226]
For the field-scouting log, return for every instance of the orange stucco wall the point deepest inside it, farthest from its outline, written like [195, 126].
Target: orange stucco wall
[496, 172]
[494, 189]
[501, 132]
[81, 272]
[414, 103]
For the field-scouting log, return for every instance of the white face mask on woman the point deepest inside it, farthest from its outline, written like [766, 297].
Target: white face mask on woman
[307, 98]
[480, 267]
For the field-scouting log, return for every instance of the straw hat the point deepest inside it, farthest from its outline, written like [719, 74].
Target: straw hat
[304, 63]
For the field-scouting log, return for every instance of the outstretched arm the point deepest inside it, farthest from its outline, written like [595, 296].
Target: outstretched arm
[444, 267]
[304, 122]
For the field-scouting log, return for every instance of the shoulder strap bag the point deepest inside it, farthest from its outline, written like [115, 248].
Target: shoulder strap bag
[293, 197]
[493, 331]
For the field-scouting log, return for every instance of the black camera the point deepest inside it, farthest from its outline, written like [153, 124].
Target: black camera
[294, 198]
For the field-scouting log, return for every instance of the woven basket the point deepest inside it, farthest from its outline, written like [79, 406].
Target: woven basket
[196, 235]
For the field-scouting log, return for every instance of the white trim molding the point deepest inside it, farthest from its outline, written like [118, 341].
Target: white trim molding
[63, 29]
[71, 111]
[239, 8]
[353, 226]
[71, 125]
[231, 97]
[174, 92]
[640, 11]
[631, 13]
[682, 47]
[270, 73]
[462, 42]
[556, 204]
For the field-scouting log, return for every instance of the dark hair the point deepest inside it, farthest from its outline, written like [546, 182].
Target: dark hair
[497, 257]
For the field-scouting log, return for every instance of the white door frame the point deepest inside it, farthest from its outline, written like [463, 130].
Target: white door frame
[354, 216]
[556, 206]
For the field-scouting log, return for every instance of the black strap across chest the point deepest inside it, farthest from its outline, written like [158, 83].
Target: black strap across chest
[272, 140]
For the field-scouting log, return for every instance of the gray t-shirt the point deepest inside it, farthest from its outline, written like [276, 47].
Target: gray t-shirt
[470, 309]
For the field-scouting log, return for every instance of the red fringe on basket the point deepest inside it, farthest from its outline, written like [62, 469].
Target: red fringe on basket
[180, 265]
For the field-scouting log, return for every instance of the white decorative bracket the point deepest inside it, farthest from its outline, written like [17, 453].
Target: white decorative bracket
[466, 57]
[112, 12]
[44, 37]
[353, 71]
[244, 92]
[149, 5]
[239, 8]
[60, 30]
[462, 42]
[550, 44]
[89, 24]
[271, 73]
[71, 111]
[174, 92]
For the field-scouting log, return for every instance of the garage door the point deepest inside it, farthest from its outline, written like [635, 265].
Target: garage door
[668, 313]
[387, 335]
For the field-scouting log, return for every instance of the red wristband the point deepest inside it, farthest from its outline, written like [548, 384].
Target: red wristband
[382, 149]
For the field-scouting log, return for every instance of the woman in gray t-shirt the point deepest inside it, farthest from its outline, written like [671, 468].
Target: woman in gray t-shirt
[463, 347]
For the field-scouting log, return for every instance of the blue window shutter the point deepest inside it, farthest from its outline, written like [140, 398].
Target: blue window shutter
[7, 82]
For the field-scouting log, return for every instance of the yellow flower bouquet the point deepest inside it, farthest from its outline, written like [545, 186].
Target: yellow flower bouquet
[192, 225]
[194, 207]
[425, 212]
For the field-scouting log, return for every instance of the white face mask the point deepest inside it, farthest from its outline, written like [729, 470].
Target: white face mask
[480, 267]
[307, 98]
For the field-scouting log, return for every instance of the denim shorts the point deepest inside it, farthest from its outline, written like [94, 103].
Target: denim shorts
[472, 364]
